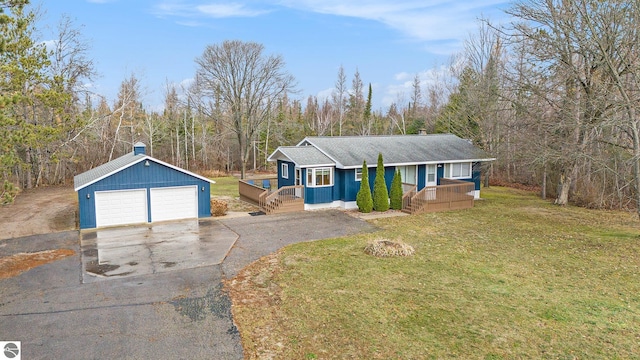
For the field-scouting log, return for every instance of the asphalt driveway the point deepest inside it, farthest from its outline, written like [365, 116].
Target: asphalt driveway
[174, 313]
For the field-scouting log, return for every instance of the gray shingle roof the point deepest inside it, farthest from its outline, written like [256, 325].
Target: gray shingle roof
[80, 180]
[350, 151]
[302, 156]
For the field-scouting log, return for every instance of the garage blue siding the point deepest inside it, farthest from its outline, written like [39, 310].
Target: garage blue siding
[139, 176]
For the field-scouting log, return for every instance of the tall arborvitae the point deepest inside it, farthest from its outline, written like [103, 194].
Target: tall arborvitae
[396, 192]
[380, 192]
[363, 199]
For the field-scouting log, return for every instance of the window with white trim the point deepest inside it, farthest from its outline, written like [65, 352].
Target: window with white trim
[458, 170]
[408, 174]
[318, 177]
[359, 174]
[285, 171]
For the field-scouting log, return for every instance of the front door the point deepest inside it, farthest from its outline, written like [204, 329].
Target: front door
[431, 175]
[431, 181]
[298, 191]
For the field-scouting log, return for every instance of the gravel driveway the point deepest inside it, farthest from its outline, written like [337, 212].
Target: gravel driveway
[177, 314]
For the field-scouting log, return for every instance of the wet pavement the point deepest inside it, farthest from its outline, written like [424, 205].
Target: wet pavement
[154, 248]
[170, 312]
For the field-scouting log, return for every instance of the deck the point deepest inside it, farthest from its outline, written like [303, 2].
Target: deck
[270, 199]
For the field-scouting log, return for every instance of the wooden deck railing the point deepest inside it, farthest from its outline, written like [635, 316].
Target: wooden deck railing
[250, 192]
[408, 192]
[285, 199]
[450, 195]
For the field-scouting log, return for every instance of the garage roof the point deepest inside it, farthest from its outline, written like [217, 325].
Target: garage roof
[98, 173]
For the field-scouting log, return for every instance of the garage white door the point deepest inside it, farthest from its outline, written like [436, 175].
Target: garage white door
[172, 203]
[121, 207]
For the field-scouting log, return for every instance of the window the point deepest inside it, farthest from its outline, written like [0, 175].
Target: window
[458, 170]
[320, 177]
[285, 171]
[408, 174]
[431, 174]
[359, 174]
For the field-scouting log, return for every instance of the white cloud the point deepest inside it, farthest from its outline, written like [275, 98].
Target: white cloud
[325, 94]
[50, 45]
[403, 76]
[401, 91]
[424, 20]
[186, 83]
[207, 10]
[229, 10]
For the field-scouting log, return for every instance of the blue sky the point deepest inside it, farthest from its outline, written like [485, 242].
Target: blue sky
[387, 41]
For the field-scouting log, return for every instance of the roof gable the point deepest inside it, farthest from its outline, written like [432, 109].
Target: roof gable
[302, 156]
[98, 173]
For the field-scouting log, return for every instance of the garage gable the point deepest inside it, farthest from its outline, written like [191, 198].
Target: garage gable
[98, 189]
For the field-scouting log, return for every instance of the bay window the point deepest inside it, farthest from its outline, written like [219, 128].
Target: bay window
[317, 177]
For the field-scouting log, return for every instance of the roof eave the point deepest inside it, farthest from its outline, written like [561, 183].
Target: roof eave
[143, 158]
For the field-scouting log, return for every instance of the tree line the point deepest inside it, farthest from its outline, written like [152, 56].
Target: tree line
[553, 95]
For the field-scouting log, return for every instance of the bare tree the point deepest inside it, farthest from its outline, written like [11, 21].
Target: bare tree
[339, 98]
[248, 82]
[416, 96]
[554, 31]
[356, 105]
[127, 113]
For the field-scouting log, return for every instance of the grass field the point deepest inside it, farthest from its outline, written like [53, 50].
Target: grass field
[514, 277]
[225, 186]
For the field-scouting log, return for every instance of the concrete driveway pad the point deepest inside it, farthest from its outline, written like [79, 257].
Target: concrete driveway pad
[169, 314]
[150, 249]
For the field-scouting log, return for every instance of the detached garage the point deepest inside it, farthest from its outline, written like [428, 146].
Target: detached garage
[136, 188]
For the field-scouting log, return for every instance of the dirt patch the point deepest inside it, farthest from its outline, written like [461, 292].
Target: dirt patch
[255, 298]
[41, 210]
[237, 205]
[18, 263]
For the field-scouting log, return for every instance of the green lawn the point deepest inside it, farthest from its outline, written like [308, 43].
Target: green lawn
[225, 186]
[514, 277]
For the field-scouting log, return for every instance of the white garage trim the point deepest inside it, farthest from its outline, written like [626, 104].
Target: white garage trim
[173, 203]
[120, 207]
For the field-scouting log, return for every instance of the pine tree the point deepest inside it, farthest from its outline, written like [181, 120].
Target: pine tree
[396, 191]
[380, 192]
[363, 199]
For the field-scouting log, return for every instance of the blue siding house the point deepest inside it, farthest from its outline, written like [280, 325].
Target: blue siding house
[330, 168]
[137, 188]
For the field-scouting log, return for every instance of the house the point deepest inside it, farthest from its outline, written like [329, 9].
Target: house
[329, 169]
[137, 188]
